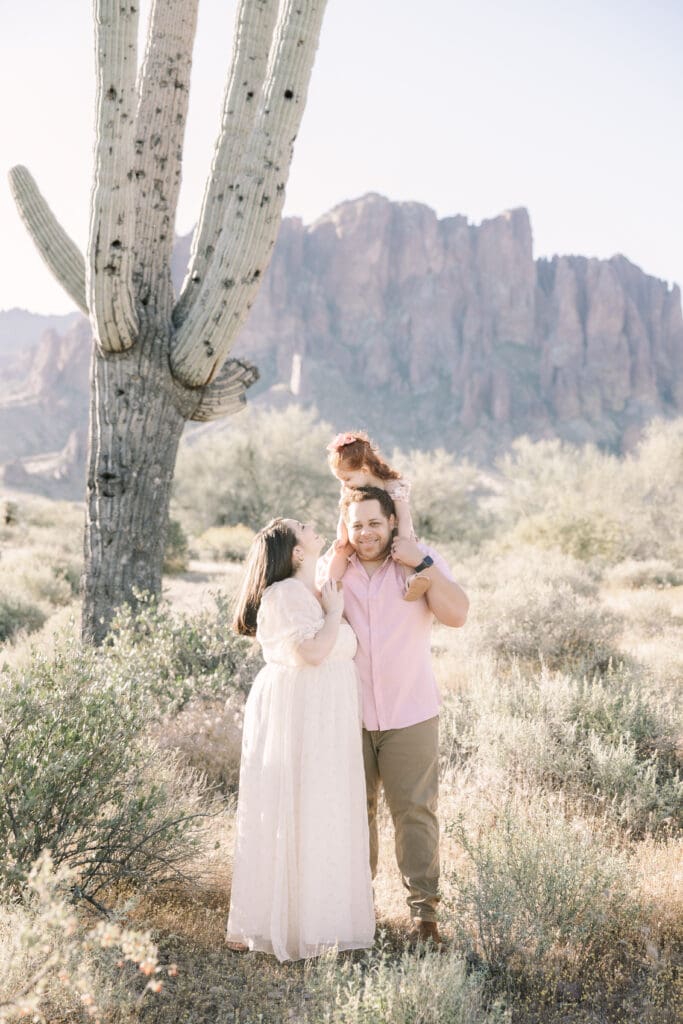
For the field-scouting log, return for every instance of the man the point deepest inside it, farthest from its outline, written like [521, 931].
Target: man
[399, 692]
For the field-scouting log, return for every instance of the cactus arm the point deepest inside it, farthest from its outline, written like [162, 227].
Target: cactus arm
[254, 207]
[61, 254]
[225, 394]
[109, 263]
[254, 27]
[159, 132]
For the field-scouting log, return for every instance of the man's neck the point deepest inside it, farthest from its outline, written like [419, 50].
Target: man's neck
[372, 566]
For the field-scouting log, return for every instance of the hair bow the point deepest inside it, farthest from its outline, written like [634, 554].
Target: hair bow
[340, 440]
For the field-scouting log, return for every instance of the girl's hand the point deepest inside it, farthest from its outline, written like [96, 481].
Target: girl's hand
[406, 552]
[332, 597]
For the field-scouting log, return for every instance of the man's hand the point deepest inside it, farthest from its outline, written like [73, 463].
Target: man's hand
[406, 552]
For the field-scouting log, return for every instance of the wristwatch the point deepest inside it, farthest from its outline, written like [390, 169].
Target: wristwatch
[424, 564]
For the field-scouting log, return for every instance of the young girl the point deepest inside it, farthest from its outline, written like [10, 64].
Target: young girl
[356, 462]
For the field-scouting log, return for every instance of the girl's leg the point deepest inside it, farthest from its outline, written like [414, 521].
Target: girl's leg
[416, 586]
[338, 563]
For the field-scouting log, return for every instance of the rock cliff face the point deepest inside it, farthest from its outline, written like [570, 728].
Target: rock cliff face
[437, 331]
[427, 332]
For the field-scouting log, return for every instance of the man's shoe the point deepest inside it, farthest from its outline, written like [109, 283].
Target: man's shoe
[424, 933]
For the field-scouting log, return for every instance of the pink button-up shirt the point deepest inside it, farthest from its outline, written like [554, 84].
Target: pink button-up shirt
[394, 644]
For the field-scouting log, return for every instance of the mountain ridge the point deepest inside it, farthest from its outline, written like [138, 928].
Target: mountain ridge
[429, 332]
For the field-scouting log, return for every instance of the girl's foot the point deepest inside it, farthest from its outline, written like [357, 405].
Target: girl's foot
[416, 587]
[236, 947]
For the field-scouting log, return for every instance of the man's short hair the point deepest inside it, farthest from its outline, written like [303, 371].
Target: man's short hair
[386, 502]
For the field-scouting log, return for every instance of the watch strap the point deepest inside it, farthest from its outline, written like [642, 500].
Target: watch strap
[424, 564]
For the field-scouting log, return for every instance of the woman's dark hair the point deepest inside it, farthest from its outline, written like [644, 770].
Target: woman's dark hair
[269, 560]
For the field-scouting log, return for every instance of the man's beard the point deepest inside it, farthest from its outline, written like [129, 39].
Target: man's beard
[381, 555]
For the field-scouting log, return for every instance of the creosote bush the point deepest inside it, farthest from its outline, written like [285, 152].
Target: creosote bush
[593, 505]
[78, 777]
[447, 498]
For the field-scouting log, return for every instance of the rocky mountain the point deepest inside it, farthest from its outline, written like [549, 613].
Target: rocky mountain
[427, 332]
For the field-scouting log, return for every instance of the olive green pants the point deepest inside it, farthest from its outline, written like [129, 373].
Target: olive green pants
[406, 763]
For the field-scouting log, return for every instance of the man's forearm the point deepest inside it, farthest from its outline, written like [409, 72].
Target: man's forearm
[447, 601]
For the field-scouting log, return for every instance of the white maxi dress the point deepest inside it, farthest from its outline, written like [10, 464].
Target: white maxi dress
[301, 874]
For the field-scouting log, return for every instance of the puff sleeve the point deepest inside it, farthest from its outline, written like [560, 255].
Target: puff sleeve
[399, 490]
[288, 615]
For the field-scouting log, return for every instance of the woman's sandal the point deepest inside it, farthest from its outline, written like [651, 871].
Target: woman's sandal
[416, 587]
[236, 947]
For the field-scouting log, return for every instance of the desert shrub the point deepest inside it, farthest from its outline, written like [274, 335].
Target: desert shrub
[41, 575]
[79, 779]
[173, 659]
[653, 572]
[268, 464]
[225, 543]
[48, 955]
[610, 743]
[595, 505]
[17, 615]
[207, 736]
[501, 563]
[648, 612]
[177, 548]
[446, 498]
[540, 899]
[383, 989]
[556, 495]
[544, 622]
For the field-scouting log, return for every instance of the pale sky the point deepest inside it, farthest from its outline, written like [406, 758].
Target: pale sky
[571, 108]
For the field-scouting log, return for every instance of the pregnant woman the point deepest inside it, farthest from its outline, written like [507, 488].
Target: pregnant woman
[301, 877]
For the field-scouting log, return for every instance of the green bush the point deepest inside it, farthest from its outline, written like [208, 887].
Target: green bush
[502, 563]
[17, 615]
[174, 659]
[447, 498]
[545, 622]
[610, 743]
[541, 899]
[384, 989]
[268, 464]
[79, 779]
[225, 543]
[595, 505]
[177, 549]
[653, 572]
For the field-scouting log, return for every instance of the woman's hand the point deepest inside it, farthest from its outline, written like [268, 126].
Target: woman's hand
[332, 597]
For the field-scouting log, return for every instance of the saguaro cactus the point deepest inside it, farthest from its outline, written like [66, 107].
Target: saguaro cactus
[158, 362]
